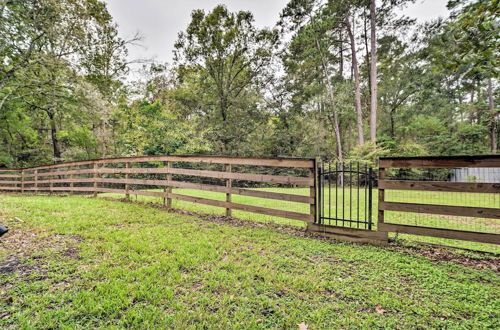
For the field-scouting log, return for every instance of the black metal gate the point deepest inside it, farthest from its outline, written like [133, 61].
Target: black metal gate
[345, 195]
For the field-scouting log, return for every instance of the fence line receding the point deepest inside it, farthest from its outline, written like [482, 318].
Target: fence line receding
[158, 175]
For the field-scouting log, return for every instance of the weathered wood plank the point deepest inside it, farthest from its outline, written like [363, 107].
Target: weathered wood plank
[472, 187]
[188, 185]
[63, 173]
[9, 182]
[110, 190]
[243, 207]
[442, 233]
[68, 180]
[302, 181]
[10, 176]
[47, 188]
[273, 195]
[349, 234]
[9, 188]
[465, 211]
[273, 162]
[441, 162]
[148, 193]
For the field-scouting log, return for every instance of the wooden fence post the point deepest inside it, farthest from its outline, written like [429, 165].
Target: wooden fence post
[95, 179]
[228, 193]
[22, 181]
[36, 180]
[51, 184]
[165, 189]
[381, 197]
[313, 208]
[71, 184]
[127, 186]
[169, 188]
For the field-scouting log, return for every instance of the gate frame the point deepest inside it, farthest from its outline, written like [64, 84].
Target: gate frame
[372, 236]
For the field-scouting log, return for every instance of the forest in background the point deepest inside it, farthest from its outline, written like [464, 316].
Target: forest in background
[342, 80]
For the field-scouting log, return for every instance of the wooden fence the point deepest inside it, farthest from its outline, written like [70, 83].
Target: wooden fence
[235, 174]
[445, 211]
[89, 177]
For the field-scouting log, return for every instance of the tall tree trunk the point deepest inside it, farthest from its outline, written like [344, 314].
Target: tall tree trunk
[493, 116]
[331, 95]
[373, 73]
[367, 51]
[357, 92]
[336, 127]
[53, 135]
[341, 52]
[393, 110]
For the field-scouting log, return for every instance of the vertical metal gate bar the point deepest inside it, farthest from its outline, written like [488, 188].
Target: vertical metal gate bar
[336, 193]
[370, 180]
[343, 194]
[350, 194]
[329, 193]
[357, 185]
[322, 194]
[366, 191]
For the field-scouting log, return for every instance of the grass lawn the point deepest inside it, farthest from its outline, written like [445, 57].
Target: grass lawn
[418, 219]
[85, 262]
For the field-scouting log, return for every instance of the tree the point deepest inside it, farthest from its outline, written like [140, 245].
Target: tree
[224, 53]
[49, 52]
[311, 52]
[357, 83]
[471, 39]
[373, 72]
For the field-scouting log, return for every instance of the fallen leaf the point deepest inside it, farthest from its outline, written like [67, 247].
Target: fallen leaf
[303, 326]
[379, 309]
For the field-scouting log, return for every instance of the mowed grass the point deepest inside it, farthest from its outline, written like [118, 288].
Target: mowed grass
[345, 203]
[96, 263]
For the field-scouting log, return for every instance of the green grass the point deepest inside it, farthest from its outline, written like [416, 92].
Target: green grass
[424, 197]
[95, 263]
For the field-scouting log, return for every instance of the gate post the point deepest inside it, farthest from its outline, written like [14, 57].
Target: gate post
[381, 197]
[314, 191]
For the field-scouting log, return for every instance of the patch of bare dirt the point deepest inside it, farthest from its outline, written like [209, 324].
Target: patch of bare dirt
[25, 249]
[441, 254]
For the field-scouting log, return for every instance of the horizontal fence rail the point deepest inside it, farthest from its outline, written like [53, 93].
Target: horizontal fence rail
[426, 198]
[157, 176]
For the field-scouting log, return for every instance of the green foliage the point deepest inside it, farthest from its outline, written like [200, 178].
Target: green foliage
[239, 90]
[222, 58]
[367, 154]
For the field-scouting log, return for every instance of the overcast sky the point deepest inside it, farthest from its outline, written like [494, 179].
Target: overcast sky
[159, 21]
